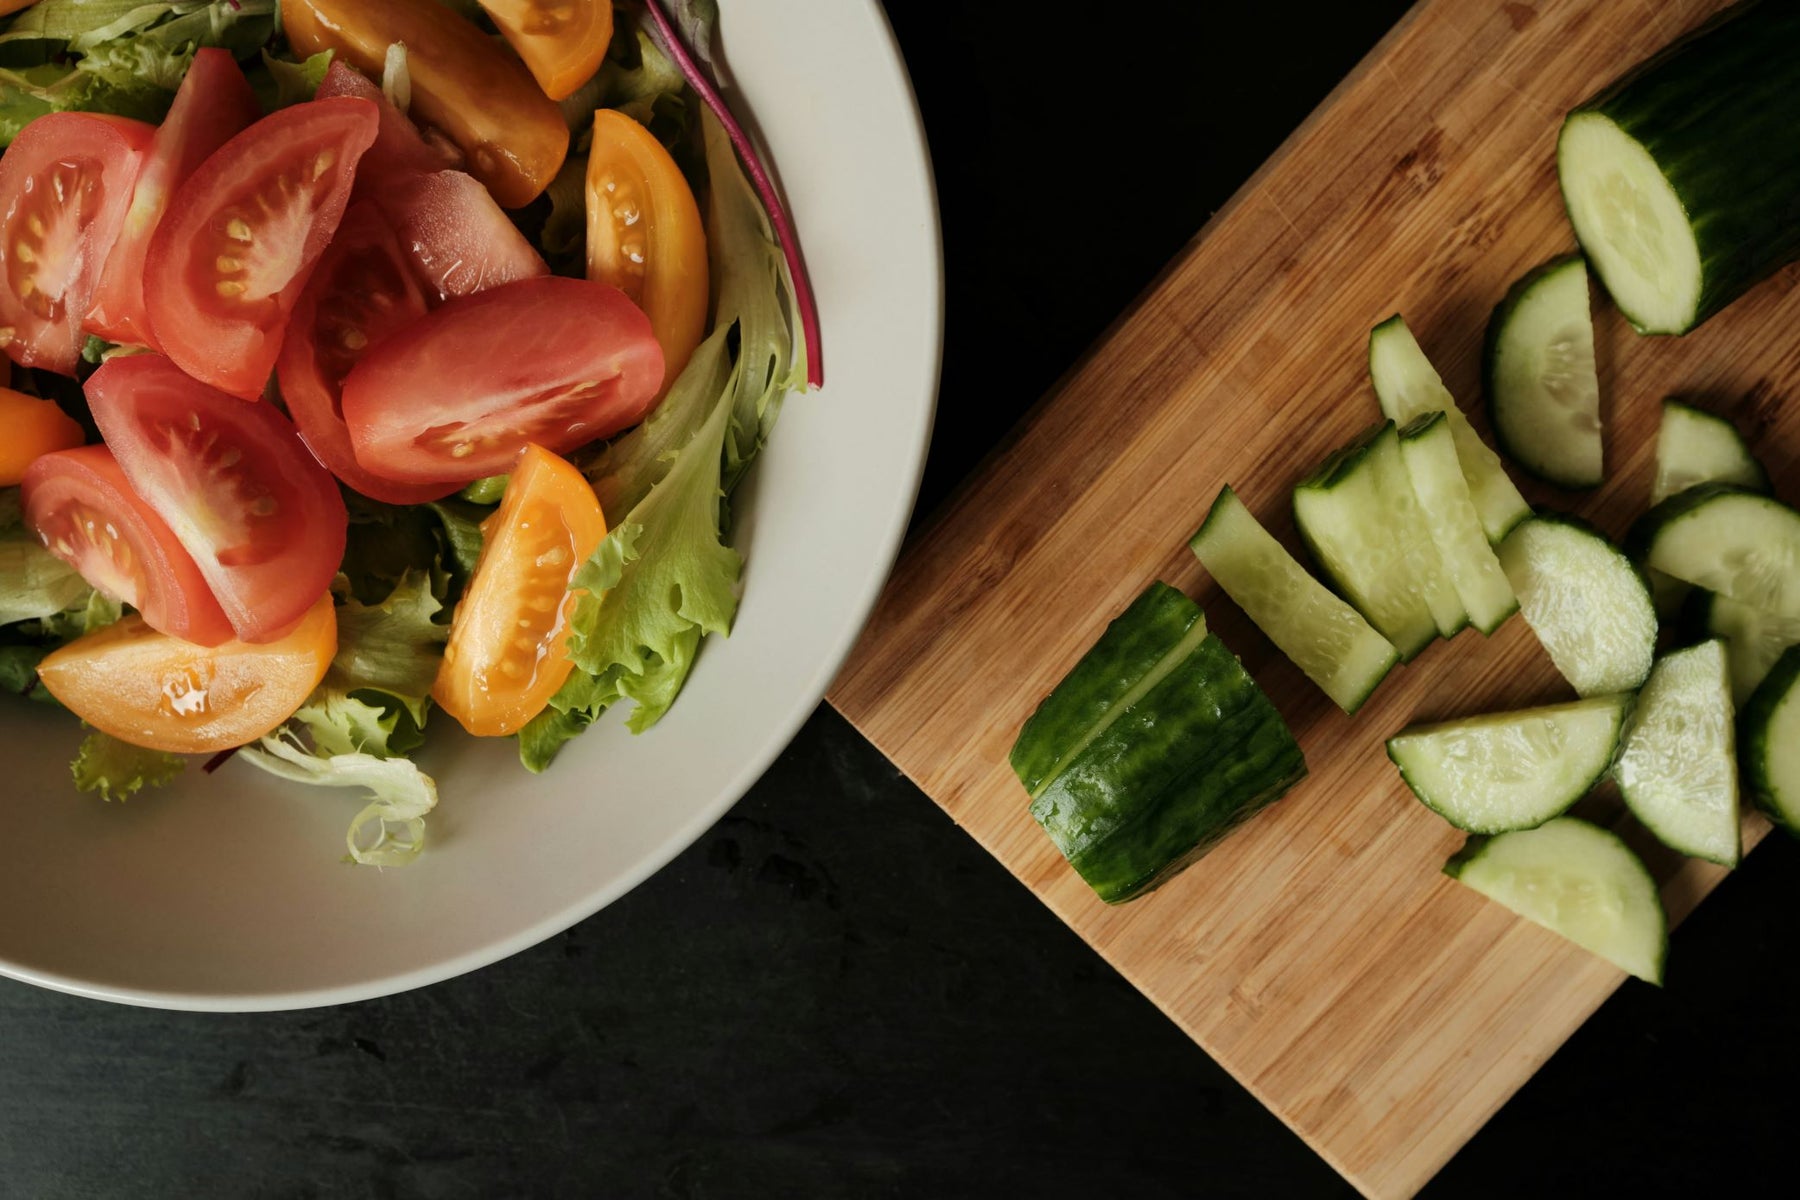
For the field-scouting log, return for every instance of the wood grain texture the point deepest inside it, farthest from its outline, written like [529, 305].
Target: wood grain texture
[1320, 955]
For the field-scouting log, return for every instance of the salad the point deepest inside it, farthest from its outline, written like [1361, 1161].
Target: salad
[375, 366]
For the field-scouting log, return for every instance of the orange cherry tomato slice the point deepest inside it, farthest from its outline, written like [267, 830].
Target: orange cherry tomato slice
[562, 41]
[33, 428]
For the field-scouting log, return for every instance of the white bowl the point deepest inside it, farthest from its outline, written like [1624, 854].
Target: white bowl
[228, 892]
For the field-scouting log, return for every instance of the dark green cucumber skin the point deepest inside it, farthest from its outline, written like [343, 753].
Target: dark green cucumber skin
[1718, 111]
[1419, 424]
[1202, 751]
[1332, 471]
[1753, 739]
[1133, 643]
[1490, 355]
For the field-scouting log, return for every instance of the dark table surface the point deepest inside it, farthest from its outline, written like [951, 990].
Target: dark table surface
[836, 992]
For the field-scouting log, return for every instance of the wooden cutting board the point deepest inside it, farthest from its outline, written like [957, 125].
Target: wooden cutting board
[1380, 1009]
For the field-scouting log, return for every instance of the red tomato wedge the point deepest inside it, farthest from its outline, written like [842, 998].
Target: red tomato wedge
[263, 520]
[213, 104]
[459, 240]
[362, 290]
[79, 503]
[65, 183]
[559, 362]
[399, 149]
[243, 233]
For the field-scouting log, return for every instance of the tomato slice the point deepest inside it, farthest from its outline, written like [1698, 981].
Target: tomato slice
[65, 183]
[362, 290]
[463, 83]
[644, 234]
[79, 503]
[243, 233]
[398, 148]
[158, 691]
[459, 240]
[508, 648]
[562, 41]
[213, 104]
[560, 362]
[33, 428]
[264, 521]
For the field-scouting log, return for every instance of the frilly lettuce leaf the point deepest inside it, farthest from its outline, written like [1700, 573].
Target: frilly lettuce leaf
[390, 829]
[34, 583]
[393, 647]
[289, 82]
[118, 770]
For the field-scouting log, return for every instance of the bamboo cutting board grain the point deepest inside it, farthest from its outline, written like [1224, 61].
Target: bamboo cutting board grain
[1380, 1009]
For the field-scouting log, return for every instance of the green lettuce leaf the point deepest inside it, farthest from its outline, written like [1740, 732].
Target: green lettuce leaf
[390, 829]
[34, 583]
[280, 82]
[393, 647]
[118, 770]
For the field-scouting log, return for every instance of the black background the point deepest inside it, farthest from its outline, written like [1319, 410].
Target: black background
[837, 993]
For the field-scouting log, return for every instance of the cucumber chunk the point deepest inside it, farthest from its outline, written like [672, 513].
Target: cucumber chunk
[1727, 540]
[1507, 771]
[1754, 639]
[1327, 639]
[1359, 518]
[1153, 748]
[1409, 387]
[1694, 447]
[1677, 766]
[1577, 880]
[1429, 450]
[1771, 731]
[1587, 603]
[1680, 177]
[1543, 390]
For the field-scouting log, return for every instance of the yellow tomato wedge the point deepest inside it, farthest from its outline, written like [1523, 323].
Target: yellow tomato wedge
[162, 693]
[561, 41]
[508, 650]
[644, 235]
[29, 429]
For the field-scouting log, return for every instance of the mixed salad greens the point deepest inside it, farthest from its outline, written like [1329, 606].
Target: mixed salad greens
[406, 366]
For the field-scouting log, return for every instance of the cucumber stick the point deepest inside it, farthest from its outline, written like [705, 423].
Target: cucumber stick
[1327, 639]
[1577, 880]
[1677, 766]
[1507, 771]
[1771, 730]
[1359, 518]
[1152, 749]
[1727, 540]
[1409, 387]
[1428, 449]
[1542, 387]
[1587, 603]
[1694, 447]
[1680, 178]
[1754, 639]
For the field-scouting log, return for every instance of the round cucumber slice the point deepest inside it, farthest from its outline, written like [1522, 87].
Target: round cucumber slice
[1577, 880]
[1587, 603]
[1727, 540]
[1677, 767]
[1543, 389]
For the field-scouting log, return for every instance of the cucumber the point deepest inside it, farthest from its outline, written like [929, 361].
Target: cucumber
[1771, 732]
[1428, 449]
[1542, 387]
[1358, 517]
[1152, 749]
[1577, 880]
[1754, 639]
[1738, 543]
[1680, 178]
[1587, 603]
[1694, 447]
[1327, 639]
[1507, 771]
[1409, 387]
[1677, 766]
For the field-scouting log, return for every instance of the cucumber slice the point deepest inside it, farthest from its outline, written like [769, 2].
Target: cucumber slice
[1771, 730]
[1677, 768]
[1695, 447]
[1577, 880]
[1358, 517]
[1327, 639]
[1680, 178]
[1754, 639]
[1727, 540]
[1152, 749]
[1543, 390]
[1587, 603]
[1409, 387]
[1509, 771]
[1429, 450]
